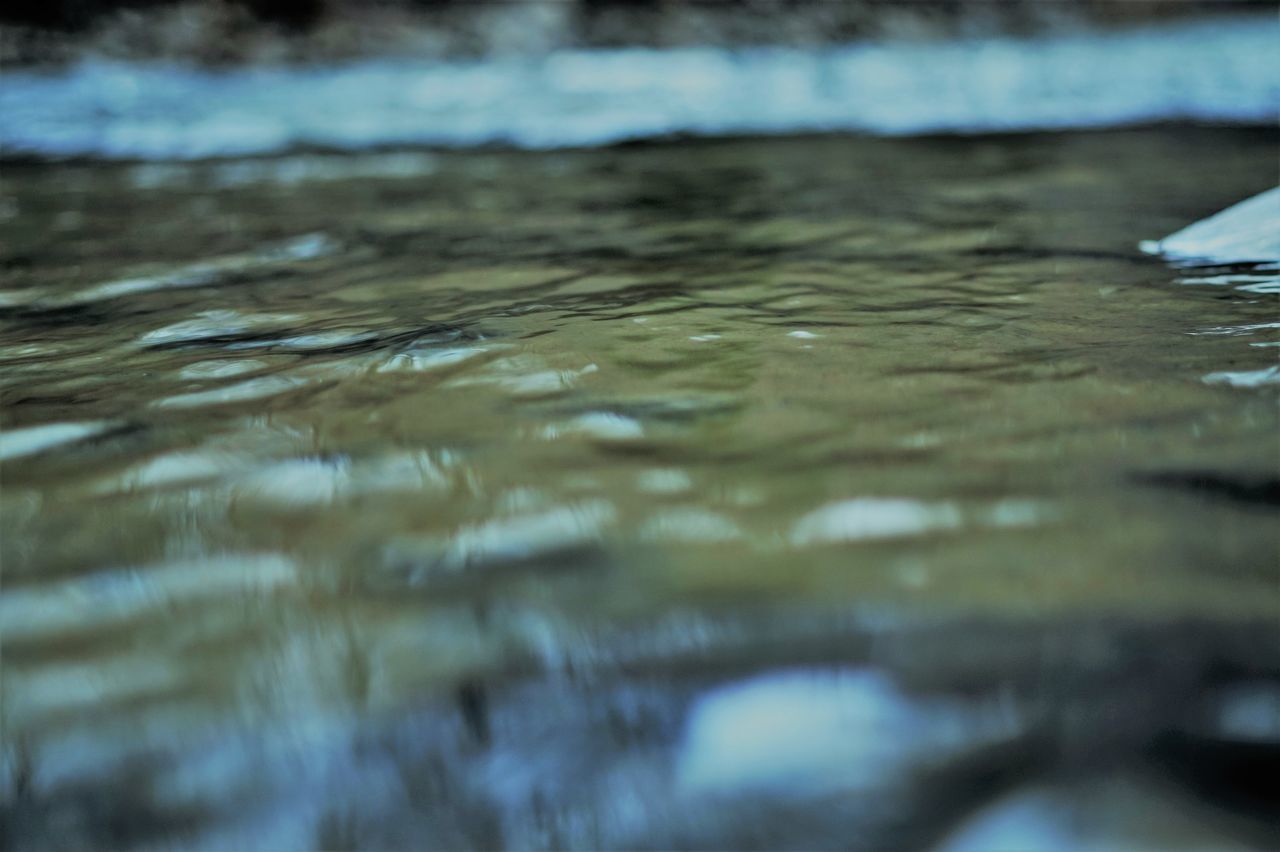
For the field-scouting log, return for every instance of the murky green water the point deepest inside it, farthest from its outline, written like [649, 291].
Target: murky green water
[490, 464]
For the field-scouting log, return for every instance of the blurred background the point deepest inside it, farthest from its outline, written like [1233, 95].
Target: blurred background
[226, 31]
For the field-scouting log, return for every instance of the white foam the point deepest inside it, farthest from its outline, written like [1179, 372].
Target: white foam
[1219, 70]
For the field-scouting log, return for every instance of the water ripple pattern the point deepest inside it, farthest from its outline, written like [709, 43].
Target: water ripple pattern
[746, 493]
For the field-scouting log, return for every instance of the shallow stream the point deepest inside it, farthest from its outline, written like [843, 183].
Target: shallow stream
[805, 492]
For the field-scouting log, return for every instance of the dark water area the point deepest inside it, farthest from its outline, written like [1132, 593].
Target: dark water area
[803, 492]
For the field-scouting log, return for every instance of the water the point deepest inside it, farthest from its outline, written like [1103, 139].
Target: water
[1217, 70]
[751, 492]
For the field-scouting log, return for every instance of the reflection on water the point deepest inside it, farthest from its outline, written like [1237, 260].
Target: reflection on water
[801, 493]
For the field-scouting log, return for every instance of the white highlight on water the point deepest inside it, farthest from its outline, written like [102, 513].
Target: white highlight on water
[114, 595]
[1245, 378]
[871, 518]
[798, 731]
[15, 443]
[1248, 232]
[1220, 70]
[558, 529]
[201, 274]
[794, 728]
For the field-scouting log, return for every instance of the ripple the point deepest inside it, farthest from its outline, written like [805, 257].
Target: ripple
[1259, 279]
[221, 368]
[204, 273]
[180, 468]
[16, 443]
[503, 541]
[601, 425]
[1246, 329]
[870, 518]
[314, 481]
[215, 324]
[428, 360]
[104, 597]
[99, 683]
[691, 525]
[525, 536]
[297, 482]
[518, 578]
[254, 389]
[323, 341]
[1245, 378]
[873, 518]
[525, 377]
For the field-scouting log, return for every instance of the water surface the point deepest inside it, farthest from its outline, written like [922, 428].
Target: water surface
[667, 494]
